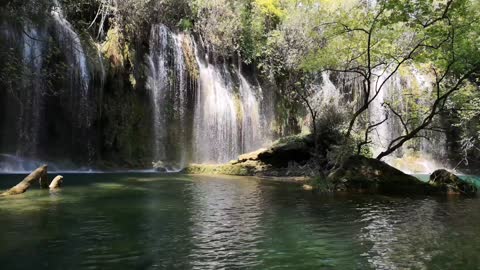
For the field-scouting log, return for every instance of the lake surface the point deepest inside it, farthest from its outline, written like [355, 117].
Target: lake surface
[147, 221]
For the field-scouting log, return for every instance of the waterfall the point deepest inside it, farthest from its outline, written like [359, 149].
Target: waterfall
[170, 91]
[254, 120]
[77, 64]
[202, 112]
[421, 155]
[391, 93]
[31, 94]
[216, 124]
[79, 78]
[229, 118]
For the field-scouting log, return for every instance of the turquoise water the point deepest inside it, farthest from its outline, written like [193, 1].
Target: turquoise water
[146, 221]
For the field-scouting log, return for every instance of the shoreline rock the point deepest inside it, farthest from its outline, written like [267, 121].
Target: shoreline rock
[359, 173]
[449, 183]
[287, 157]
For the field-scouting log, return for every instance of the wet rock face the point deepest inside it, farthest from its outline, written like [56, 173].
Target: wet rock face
[450, 183]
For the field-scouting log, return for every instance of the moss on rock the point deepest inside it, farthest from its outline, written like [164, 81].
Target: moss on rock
[243, 169]
[450, 183]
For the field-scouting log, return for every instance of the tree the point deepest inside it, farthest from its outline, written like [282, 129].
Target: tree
[374, 42]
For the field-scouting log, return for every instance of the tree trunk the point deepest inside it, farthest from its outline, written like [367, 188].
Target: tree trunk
[39, 174]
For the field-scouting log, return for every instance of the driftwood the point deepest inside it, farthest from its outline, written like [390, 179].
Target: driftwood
[43, 181]
[39, 174]
[56, 182]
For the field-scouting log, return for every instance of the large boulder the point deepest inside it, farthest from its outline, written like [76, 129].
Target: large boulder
[282, 152]
[449, 183]
[360, 173]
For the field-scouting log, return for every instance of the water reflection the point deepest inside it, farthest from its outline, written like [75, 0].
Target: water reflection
[226, 224]
[400, 233]
[169, 222]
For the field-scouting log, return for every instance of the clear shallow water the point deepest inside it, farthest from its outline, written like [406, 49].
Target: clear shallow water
[146, 221]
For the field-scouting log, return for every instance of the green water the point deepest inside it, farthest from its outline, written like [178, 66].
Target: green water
[140, 221]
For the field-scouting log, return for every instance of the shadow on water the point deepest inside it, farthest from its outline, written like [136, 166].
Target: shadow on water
[151, 221]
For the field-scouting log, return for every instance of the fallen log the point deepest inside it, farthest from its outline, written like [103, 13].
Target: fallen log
[39, 174]
[56, 182]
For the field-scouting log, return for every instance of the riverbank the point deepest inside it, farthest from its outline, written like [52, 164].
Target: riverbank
[290, 160]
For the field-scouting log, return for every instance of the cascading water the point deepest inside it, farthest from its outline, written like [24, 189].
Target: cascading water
[344, 93]
[30, 96]
[170, 92]
[77, 65]
[54, 106]
[421, 155]
[228, 118]
[80, 80]
[391, 92]
[228, 114]
[254, 120]
[216, 124]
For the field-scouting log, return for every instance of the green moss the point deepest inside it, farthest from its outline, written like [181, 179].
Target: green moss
[223, 169]
[190, 59]
[238, 106]
[321, 184]
[299, 138]
[112, 47]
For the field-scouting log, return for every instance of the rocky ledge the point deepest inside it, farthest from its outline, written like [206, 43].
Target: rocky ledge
[288, 157]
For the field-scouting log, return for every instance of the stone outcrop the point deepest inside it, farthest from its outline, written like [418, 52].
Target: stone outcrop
[284, 151]
[449, 183]
[360, 173]
[276, 160]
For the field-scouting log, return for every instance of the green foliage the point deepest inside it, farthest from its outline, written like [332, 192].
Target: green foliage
[289, 41]
[185, 25]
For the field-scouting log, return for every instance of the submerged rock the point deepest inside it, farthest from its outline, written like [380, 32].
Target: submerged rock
[450, 183]
[360, 173]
